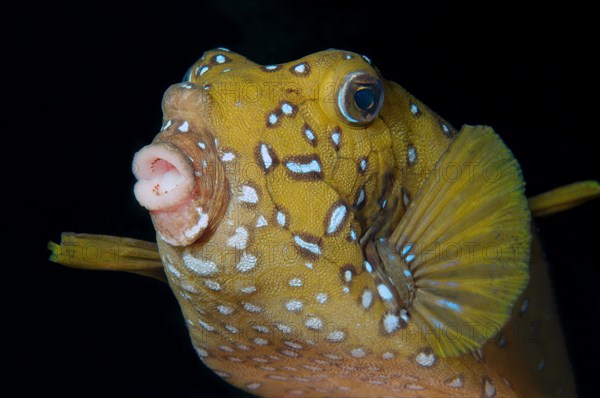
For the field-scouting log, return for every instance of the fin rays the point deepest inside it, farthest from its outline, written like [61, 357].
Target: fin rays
[465, 241]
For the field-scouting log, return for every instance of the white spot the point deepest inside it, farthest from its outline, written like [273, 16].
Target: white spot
[202, 145]
[252, 386]
[445, 128]
[203, 70]
[184, 127]
[414, 387]
[226, 348]
[414, 109]
[296, 282]
[173, 270]
[358, 353]
[457, 382]
[309, 265]
[309, 134]
[293, 345]
[335, 137]
[228, 156]
[409, 258]
[248, 289]
[225, 309]
[367, 299]
[268, 368]
[404, 315]
[314, 323]
[348, 56]
[353, 234]
[240, 238]
[188, 287]
[261, 221]
[271, 67]
[388, 355]
[368, 266]
[391, 322]
[490, 390]
[198, 265]
[260, 328]
[287, 109]
[246, 263]
[312, 167]
[206, 326]
[248, 194]
[311, 247]
[321, 298]
[260, 341]
[201, 352]
[333, 357]
[213, 285]
[231, 329]
[252, 308]
[361, 197]
[363, 165]
[337, 216]
[220, 59]
[266, 157]
[289, 353]
[284, 328]
[167, 125]
[294, 305]
[273, 118]
[412, 155]
[313, 368]
[300, 68]
[384, 292]
[186, 86]
[425, 359]
[347, 275]
[280, 218]
[337, 335]
[200, 225]
[406, 249]
[233, 359]
[524, 306]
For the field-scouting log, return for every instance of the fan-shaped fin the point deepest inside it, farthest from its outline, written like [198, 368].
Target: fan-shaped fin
[464, 241]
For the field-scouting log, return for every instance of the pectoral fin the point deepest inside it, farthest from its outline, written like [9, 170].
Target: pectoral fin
[109, 253]
[462, 248]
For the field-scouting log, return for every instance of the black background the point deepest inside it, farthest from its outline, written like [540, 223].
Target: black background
[87, 89]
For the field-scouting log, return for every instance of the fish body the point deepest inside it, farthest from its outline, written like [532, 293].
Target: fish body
[327, 234]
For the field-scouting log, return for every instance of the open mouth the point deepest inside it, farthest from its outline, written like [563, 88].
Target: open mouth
[165, 176]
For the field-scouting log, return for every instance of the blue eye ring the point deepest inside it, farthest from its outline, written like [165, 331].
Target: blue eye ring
[360, 97]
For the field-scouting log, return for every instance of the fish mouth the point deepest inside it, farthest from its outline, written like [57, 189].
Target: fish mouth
[181, 181]
[165, 176]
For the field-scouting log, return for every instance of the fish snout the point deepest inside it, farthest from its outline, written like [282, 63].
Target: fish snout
[180, 178]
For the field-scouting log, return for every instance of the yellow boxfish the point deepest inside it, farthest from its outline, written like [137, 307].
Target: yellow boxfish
[327, 235]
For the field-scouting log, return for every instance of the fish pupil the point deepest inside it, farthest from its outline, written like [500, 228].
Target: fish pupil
[364, 98]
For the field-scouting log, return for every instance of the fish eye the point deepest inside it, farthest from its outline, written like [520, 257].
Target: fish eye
[360, 97]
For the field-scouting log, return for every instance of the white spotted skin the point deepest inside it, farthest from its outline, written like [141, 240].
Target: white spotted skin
[284, 272]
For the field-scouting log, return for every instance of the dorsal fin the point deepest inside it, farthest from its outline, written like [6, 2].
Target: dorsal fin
[563, 198]
[462, 248]
[108, 253]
